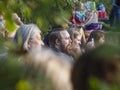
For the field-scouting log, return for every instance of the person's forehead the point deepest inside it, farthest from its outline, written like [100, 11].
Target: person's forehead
[38, 30]
[78, 36]
[36, 35]
[64, 32]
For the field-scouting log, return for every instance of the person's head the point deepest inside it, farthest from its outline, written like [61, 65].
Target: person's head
[78, 28]
[51, 29]
[76, 37]
[79, 6]
[98, 37]
[97, 68]
[28, 36]
[60, 39]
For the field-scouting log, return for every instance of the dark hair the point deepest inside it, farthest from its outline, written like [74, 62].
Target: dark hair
[96, 35]
[55, 34]
[55, 27]
[98, 63]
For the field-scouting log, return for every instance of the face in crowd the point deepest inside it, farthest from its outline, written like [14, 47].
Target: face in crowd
[77, 41]
[29, 36]
[35, 41]
[65, 41]
[102, 40]
[98, 36]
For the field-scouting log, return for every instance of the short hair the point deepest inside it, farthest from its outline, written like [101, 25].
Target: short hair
[96, 35]
[74, 31]
[54, 35]
[73, 34]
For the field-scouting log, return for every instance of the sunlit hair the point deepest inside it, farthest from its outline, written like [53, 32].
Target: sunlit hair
[78, 28]
[73, 33]
[24, 34]
[75, 51]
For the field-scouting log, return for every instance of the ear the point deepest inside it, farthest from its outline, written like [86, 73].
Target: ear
[26, 46]
[57, 41]
[29, 44]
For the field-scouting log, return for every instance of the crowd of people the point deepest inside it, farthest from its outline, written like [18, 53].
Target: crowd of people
[73, 58]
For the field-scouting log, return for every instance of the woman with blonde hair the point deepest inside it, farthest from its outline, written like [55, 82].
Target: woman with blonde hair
[76, 36]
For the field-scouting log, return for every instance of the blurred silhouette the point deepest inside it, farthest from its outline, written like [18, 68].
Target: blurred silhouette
[76, 36]
[56, 69]
[2, 26]
[98, 69]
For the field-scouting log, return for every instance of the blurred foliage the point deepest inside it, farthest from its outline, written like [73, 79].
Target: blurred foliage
[45, 13]
[42, 12]
[107, 3]
[2, 40]
[9, 73]
[96, 84]
[16, 74]
[113, 38]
